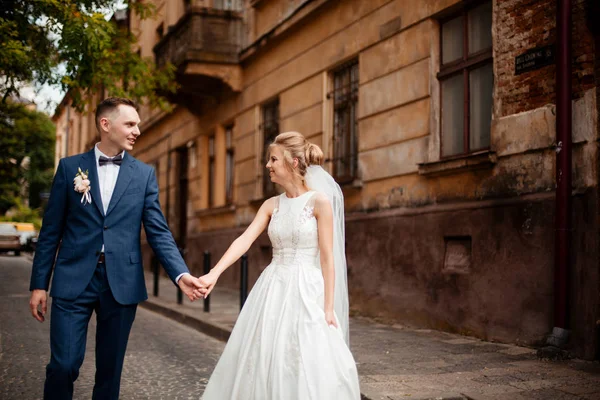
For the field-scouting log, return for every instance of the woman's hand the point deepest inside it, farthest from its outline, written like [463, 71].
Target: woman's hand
[209, 281]
[330, 318]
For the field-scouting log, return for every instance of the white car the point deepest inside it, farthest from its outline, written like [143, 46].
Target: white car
[9, 238]
[26, 232]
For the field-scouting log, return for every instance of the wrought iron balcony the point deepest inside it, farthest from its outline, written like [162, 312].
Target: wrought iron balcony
[204, 46]
[202, 35]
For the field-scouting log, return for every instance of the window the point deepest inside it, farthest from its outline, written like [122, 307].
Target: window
[234, 5]
[229, 164]
[270, 129]
[345, 124]
[466, 81]
[160, 31]
[211, 170]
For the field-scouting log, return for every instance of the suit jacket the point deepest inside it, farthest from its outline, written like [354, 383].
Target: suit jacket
[78, 231]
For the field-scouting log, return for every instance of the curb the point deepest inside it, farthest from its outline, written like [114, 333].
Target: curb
[447, 396]
[210, 329]
[222, 333]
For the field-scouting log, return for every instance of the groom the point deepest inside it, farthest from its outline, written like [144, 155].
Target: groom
[97, 205]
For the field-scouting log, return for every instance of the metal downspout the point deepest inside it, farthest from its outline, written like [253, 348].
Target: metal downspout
[563, 221]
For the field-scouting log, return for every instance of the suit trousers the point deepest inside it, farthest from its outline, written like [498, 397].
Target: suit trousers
[69, 320]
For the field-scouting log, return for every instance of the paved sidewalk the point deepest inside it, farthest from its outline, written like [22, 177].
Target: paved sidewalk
[395, 362]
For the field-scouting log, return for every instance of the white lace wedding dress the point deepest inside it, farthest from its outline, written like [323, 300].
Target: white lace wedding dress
[281, 348]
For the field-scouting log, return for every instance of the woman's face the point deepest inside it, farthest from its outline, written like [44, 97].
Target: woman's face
[276, 167]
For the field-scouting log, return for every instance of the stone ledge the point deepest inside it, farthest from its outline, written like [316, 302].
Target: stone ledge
[258, 201]
[356, 183]
[469, 162]
[255, 3]
[216, 211]
[302, 11]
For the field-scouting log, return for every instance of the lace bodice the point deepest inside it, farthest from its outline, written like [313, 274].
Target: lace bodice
[293, 230]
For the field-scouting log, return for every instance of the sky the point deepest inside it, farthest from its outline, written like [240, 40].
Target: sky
[46, 98]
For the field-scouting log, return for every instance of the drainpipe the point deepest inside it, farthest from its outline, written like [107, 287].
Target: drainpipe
[563, 224]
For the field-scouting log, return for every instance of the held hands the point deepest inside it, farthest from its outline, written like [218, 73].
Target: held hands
[191, 287]
[208, 281]
[38, 297]
[330, 318]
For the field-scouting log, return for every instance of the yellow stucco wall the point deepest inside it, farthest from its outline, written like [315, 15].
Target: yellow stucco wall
[398, 112]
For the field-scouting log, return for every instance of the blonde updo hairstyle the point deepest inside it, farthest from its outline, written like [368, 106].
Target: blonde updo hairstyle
[295, 145]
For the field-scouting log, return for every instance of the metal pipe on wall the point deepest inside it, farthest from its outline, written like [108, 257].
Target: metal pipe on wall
[563, 222]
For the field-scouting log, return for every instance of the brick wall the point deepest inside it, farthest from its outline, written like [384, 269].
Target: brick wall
[583, 48]
[522, 25]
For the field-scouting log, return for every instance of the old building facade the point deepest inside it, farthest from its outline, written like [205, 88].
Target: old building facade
[437, 117]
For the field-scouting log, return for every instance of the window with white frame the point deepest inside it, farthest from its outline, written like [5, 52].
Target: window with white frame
[466, 80]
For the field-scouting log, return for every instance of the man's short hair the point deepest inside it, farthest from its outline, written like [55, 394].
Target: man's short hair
[110, 104]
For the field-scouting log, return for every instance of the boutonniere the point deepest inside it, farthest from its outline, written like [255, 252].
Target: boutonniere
[82, 185]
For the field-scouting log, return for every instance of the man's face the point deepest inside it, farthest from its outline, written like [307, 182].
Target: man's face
[121, 127]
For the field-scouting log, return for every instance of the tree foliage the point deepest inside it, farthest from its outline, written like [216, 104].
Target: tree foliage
[73, 44]
[27, 140]
[22, 213]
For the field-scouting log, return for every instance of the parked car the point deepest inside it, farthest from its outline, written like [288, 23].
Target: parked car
[33, 243]
[10, 239]
[26, 232]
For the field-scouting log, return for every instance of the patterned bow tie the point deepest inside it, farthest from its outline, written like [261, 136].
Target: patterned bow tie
[115, 160]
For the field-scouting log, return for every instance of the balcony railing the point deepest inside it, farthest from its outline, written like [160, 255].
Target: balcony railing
[202, 35]
[235, 5]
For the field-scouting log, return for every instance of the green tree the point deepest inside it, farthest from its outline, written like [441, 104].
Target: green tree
[73, 44]
[27, 141]
[23, 213]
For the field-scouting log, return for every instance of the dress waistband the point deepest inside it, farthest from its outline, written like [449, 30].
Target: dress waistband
[288, 256]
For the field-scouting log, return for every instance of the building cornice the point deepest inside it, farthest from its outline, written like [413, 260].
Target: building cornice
[301, 12]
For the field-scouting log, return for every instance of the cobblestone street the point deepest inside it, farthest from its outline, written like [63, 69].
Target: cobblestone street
[169, 360]
[165, 360]
[398, 362]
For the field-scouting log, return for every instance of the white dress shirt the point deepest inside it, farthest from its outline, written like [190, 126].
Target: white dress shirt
[107, 179]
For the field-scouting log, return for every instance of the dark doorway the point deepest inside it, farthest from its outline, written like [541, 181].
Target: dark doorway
[181, 197]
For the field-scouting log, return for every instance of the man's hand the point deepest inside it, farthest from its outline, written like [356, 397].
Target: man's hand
[192, 287]
[209, 281]
[38, 297]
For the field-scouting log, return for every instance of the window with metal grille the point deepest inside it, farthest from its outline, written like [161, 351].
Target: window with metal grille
[211, 170]
[345, 124]
[466, 80]
[229, 164]
[270, 129]
[234, 5]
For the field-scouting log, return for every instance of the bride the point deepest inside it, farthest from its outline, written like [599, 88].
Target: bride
[290, 340]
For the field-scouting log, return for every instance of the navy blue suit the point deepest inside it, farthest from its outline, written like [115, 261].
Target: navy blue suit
[81, 285]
